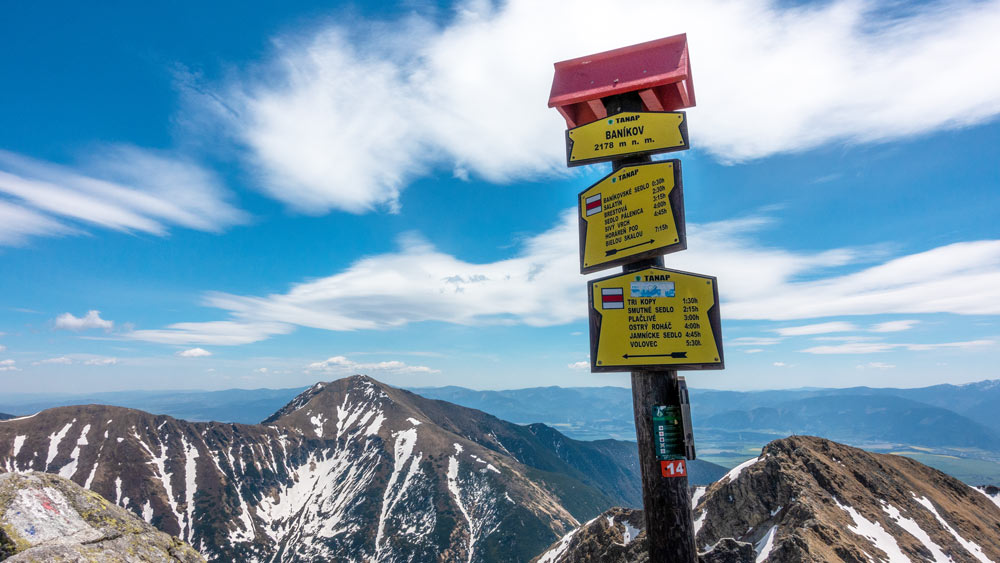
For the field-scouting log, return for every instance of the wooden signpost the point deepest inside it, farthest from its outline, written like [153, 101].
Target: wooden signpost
[620, 107]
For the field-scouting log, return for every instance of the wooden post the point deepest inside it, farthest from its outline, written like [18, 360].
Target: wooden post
[666, 501]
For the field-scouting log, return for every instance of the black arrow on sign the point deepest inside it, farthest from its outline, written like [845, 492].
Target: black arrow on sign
[670, 355]
[614, 251]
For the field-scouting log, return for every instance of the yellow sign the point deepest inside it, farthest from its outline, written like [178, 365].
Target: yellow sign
[654, 318]
[626, 134]
[632, 214]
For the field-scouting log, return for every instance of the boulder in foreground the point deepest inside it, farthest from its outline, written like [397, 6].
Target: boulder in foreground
[45, 518]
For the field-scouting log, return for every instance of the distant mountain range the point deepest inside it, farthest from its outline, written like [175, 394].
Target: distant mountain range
[244, 406]
[952, 427]
[355, 470]
[352, 470]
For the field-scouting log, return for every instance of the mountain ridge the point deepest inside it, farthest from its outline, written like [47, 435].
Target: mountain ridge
[808, 499]
[440, 481]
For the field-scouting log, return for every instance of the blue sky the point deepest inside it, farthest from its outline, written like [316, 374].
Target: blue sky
[264, 194]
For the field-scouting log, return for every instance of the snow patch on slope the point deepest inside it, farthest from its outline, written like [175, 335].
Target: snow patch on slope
[456, 492]
[916, 531]
[553, 555]
[190, 486]
[403, 451]
[764, 546]
[54, 440]
[696, 495]
[69, 469]
[734, 473]
[969, 546]
[11, 464]
[875, 533]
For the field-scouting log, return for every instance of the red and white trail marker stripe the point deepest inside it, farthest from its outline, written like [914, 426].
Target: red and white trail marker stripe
[593, 204]
[613, 298]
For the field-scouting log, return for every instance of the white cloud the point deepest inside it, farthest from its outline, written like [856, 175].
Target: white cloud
[753, 351]
[340, 364]
[579, 365]
[875, 347]
[851, 338]
[876, 365]
[215, 333]
[18, 224]
[3, 348]
[780, 364]
[820, 328]
[8, 365]
[85, 360]
[753, 341]
[894, 326]
[194, 353]
[344, 117]
[92, 319]
[123, 188]
[539, 286]
[260, 370]
[899, 286]
[62, 360]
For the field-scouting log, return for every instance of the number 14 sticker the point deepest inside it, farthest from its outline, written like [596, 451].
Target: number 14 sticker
[673, 468]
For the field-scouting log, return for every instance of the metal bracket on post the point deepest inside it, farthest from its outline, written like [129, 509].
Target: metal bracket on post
[688, 428]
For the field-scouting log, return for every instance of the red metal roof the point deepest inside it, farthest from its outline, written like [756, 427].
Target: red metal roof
[659, 70]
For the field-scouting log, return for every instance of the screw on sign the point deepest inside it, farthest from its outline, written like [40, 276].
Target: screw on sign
[620, 106]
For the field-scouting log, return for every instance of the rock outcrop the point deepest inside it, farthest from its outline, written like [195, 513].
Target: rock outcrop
[45, 518]
[806, 499]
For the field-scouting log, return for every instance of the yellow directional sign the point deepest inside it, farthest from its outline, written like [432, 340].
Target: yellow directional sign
[634, 213]
[654, 318]
[626, 134]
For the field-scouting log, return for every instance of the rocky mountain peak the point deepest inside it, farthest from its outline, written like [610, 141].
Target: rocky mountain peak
[349, 470]
[809, 499]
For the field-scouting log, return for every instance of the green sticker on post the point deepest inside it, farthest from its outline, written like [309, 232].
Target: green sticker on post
[668, 432]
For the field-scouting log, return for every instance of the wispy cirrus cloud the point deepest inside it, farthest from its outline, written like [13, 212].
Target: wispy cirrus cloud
[61, 360]
[539, 286]
[18, 224]
[469, 94]
[876, 365]
[843, 326]
[876, 347]
[86, 360]
[895, 326]
[214, 333]
[343, 365]
[819, 328]
[120, 188]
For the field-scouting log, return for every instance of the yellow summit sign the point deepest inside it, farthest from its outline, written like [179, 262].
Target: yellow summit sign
[634, 213]
[626, 134]
[654, 318]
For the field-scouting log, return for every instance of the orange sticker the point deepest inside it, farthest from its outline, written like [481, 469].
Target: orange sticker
[673, 468]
